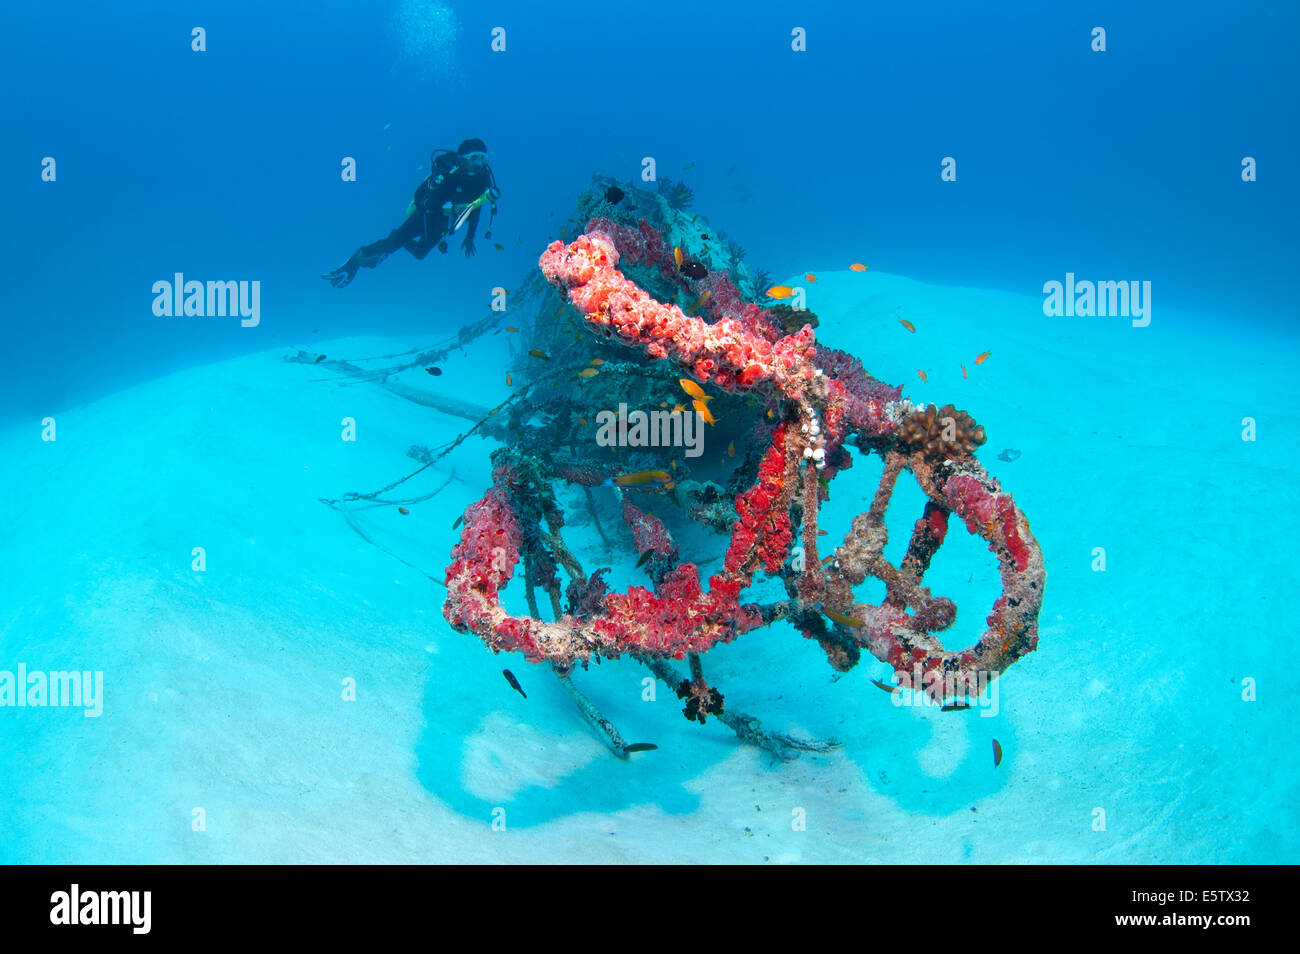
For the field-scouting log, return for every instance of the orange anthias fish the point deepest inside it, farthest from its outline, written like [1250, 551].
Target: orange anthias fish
[908, 325]
[963, 371]
[508, 381]
[731, 449]
[923, 377]
[511, 328]
[693, 389]
[981, 358]
[642, 477]
[677, 257]
[596, 362]
[678, 409]
[780, 291]
[841, 618]
[811, 277]
[588, 373]
[997, 753]
[700, 302]
[403, 511]
[857, 267]
[539, 353]
[702, 410]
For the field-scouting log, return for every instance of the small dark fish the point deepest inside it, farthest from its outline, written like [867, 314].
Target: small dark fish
[997, 754]
[315, 331]
[514, 683]
[645, 557]
[319, 359]
[614, 195]
[1009, 455]
[640, 747]
[955, 707]
[694, 270]
[434, 371]
[885, 686]
[459, 521]
[403, 511]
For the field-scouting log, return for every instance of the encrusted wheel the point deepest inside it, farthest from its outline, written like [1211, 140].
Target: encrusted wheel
[907, 641]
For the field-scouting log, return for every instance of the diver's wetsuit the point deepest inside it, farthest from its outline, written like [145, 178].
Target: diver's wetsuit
[433, 211]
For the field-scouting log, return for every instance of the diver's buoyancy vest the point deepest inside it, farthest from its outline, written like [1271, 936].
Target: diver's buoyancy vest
[443, 164]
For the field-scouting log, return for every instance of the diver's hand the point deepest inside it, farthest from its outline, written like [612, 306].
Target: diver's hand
[341, 276]
[468, 246]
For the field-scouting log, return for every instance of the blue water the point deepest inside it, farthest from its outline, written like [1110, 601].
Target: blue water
[1115, 165]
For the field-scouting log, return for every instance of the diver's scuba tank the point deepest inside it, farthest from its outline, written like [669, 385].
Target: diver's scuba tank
[442, 163]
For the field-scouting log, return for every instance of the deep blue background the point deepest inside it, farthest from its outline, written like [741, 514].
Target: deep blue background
[224, 165]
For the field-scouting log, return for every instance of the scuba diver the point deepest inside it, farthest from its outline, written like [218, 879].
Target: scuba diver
[460, 183]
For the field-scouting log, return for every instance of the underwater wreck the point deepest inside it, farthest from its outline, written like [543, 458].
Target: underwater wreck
[643, 299]
[804, 410]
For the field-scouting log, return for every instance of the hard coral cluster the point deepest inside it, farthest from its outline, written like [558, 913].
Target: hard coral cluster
[940, 433]
[817, 399]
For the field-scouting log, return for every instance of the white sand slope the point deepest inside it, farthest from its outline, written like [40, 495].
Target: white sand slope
[224, 687]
